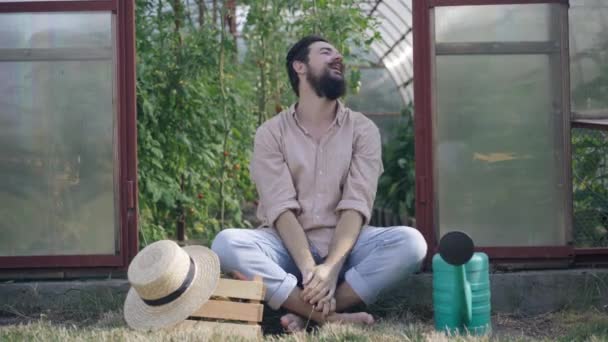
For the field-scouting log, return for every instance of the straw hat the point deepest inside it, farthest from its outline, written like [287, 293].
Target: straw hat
[169, 283]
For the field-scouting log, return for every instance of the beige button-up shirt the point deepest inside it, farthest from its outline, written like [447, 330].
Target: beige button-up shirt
[292, 172]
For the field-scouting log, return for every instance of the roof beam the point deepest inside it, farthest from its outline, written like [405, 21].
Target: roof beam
[409, 30]
[374, 8]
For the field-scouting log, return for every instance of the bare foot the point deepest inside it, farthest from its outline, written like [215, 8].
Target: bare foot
[361, 318]
[292, 323]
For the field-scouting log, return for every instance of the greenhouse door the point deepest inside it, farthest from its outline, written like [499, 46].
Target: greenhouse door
[493, 122]
[67, 135]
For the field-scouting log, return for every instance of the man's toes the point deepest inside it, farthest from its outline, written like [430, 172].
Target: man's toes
[294, 327]
[367, 318]
[292, 323]
[285, 322]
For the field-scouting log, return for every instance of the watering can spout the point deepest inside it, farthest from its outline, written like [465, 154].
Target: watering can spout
[468, 297]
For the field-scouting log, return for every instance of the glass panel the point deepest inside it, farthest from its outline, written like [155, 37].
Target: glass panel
[396, 28]
[396, 69]
[407, 93]
[403, 8]
[365, 6]
[404, 19]
[499, 150]
[57, 138]
[379, 47]
[401, 66]
[408, 40]
[388, 34]
[506, 23]
[56, 30]
[378, 93]
[402, 52]
[589, 57]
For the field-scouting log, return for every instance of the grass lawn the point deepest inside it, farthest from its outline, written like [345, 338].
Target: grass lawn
[591, 325]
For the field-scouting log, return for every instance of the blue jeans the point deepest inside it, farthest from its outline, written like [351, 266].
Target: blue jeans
[380, 258]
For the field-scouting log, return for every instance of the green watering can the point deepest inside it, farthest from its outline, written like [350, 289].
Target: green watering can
[461, 287]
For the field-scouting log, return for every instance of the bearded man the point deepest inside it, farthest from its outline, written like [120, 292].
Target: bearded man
[316, 167]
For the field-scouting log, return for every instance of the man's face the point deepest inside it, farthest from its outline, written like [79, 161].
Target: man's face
[326, 71]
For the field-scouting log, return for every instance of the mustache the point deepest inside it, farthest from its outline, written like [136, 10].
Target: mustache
[339, 65]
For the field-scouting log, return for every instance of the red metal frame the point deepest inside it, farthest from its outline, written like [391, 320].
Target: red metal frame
[541, 252]
[437, 3]
[59, 261]
[59, 6]
[421, 30]
[130, 115]
[591, 255]
[127, 137]
[423, 99]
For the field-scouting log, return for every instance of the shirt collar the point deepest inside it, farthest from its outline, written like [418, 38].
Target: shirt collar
[340, 113]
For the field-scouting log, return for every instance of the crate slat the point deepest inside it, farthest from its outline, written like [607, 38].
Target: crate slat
[253, 290]
[219, 309]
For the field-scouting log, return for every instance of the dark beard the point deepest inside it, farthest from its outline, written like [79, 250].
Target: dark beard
[326, 85]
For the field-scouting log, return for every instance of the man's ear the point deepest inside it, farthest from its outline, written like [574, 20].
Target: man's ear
[299, 66]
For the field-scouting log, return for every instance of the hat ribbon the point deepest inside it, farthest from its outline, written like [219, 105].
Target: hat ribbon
[175, 294]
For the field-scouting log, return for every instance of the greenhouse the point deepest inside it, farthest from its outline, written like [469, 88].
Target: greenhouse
[527, 179]
[126, 122]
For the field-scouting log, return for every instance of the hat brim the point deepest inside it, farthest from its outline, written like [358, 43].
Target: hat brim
[140, 315]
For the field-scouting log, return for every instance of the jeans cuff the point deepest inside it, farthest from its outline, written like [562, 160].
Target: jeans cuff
[282, 292]
[359, 285]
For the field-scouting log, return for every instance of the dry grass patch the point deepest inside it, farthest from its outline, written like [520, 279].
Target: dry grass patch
[564, 326]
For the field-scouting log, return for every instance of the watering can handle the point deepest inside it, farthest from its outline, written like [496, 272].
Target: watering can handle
[468, 296]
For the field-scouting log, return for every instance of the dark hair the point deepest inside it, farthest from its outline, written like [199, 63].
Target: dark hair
[299, 52]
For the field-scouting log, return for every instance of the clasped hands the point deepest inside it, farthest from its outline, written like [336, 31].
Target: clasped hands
[320, 286]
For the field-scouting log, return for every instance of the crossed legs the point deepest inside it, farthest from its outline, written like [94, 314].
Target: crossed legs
[380, 258]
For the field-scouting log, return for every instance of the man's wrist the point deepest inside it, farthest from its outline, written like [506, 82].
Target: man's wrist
[335, 262]
[307, 266]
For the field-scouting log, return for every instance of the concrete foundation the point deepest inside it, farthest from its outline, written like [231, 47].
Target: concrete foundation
[525, 293]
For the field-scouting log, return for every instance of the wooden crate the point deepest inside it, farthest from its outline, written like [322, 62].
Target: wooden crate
[235, 308]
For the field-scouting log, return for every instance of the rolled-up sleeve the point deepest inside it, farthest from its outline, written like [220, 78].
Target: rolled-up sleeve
[366, 167]
[271, 176]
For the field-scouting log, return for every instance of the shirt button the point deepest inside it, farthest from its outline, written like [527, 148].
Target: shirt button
[320, 172]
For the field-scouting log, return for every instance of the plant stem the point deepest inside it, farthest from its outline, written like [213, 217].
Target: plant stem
[214, 8]
[225, 116]
[180, 224]
[262, 66]
[201, 13]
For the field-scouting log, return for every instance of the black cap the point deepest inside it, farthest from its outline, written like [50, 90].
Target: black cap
[456, 248]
